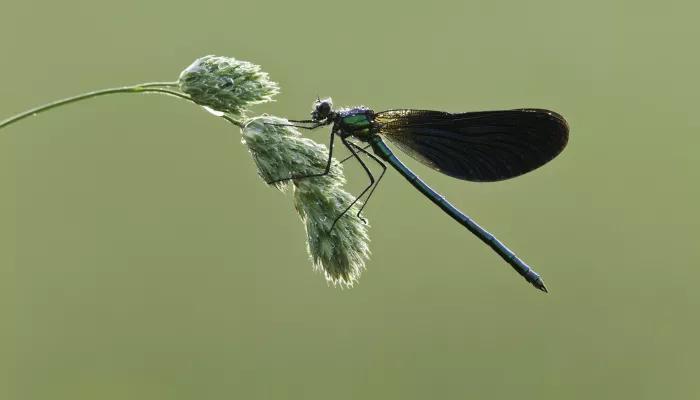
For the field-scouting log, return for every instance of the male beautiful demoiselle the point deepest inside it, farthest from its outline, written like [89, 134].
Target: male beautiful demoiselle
[483, 146]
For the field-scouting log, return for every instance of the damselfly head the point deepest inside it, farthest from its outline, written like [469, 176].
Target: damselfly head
[322, 109]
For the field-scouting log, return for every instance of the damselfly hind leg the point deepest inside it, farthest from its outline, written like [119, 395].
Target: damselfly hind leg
[369, 173]
[381, 164]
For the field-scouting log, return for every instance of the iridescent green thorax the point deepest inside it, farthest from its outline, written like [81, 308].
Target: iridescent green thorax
[357, 122]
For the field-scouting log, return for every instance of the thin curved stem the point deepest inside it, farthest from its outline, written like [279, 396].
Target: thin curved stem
[154, 84]
[152, 87]
[233, 121]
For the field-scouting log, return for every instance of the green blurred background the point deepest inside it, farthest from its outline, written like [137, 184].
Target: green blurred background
[141, 257]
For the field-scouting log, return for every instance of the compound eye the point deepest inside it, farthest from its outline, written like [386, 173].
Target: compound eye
[324, 109]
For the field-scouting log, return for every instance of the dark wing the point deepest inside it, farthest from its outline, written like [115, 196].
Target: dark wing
[484, 146]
